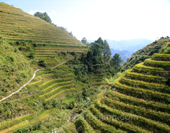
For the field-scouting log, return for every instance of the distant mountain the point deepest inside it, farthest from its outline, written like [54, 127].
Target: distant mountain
[129, 45]
[126, 47]
[123, 54]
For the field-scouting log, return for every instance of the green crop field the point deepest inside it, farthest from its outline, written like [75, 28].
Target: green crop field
[52, 82]
[139, 102]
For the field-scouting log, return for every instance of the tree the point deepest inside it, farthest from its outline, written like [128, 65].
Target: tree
[42, 63]
[115, 61]
[97, 49]
[85, 93]
[43, 16]
[70, 33]
[99, 40]
[106, 51]
[84, 40]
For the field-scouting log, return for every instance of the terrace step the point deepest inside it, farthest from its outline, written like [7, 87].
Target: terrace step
[56, 90]
[99, 125]
[157, 106]
[144, 77]
[145, 85]
[161, 57]
[136, 120]
[116, 123]
[55, 95]
[142, 93]
[154, 63]
[162, 117]
[86, 127]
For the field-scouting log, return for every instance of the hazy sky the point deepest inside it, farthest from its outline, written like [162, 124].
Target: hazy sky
[110, 19]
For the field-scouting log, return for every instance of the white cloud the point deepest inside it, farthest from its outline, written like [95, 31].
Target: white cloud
[116, 20]
[122, 20]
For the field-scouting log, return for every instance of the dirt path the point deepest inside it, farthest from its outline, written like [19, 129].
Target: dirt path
[28, 82]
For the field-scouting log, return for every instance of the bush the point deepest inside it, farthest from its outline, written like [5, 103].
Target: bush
[42, 63]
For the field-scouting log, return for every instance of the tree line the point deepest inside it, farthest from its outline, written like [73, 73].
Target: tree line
[98, 60]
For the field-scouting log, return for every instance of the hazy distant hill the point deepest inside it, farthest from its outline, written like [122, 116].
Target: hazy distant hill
[123, 54]
[126, 47]
[130, 45]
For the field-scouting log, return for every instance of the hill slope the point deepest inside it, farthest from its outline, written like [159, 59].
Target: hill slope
[47, 39]
[16, 24]
[144, 53]
[15, 69]
[138, 103]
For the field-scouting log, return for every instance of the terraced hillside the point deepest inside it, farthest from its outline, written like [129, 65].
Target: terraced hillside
[139, 102]
[18, 26]
[34, 103]
[144, 53]
[15, 69]
[28, 43]
[45, 97]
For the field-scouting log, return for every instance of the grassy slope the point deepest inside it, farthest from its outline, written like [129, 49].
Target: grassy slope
[30, 34]
[20, 30]
[139, 104]
[16, 25]
[13, 67]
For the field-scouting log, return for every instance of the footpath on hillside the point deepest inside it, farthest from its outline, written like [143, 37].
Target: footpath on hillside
[29, 81]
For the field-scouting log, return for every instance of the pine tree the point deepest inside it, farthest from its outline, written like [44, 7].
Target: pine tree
[85, 93]
[106, 51]
[115, 61]
[99, 40]
[84, 40]
[43, 16]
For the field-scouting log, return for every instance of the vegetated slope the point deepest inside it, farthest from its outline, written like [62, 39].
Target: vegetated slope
[49, 95]
[139, 102]
[27, 41]
[16, 24]
[36, 102]
[48, 39]
[15, 69]
[144, 53]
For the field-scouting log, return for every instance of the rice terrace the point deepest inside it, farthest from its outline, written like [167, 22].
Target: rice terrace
[53, 80]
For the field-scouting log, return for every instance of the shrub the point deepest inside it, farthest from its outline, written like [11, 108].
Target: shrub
[42, 63]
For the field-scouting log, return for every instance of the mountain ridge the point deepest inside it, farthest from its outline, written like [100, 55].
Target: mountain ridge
[130, 44]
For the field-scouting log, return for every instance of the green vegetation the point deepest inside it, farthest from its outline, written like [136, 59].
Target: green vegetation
[43, 16]
[15, 68]
[28, 43]
[138, 101]
[35, 36]
[91, 92]
[145, 53]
